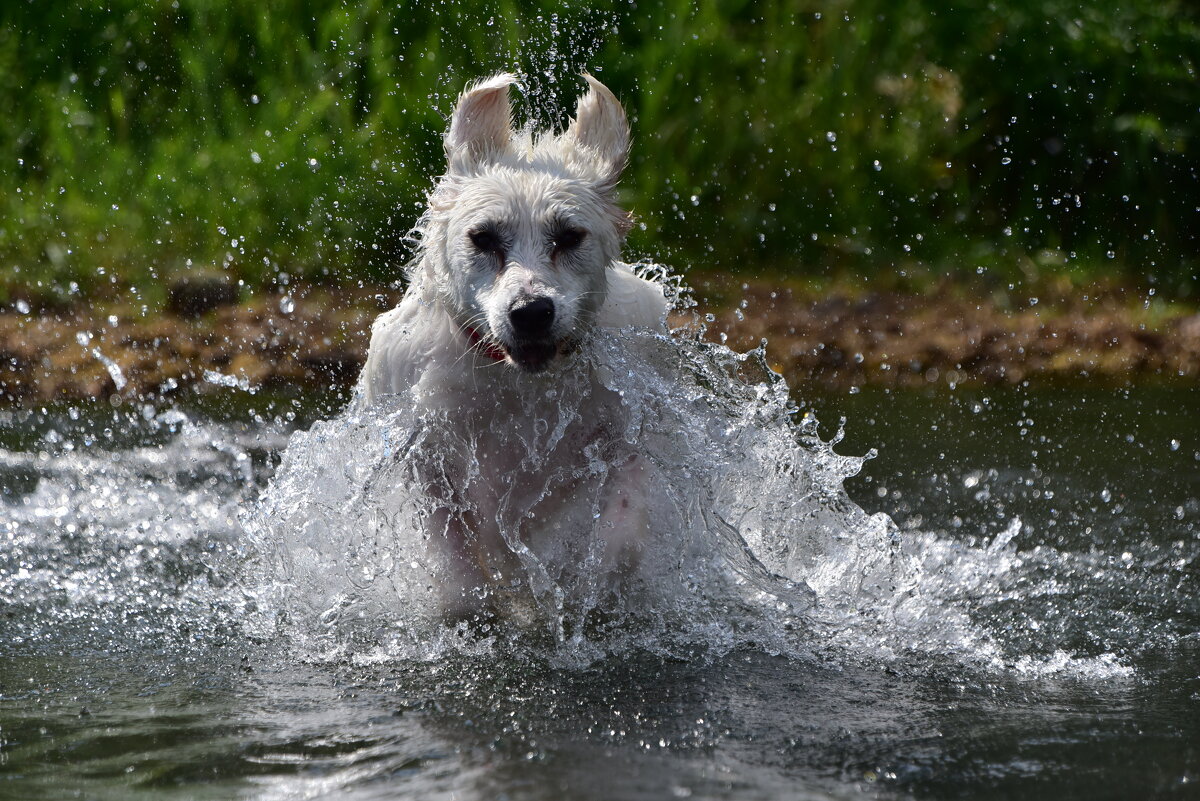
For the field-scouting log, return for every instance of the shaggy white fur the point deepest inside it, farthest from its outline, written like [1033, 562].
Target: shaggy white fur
[518, 267]
[515, 218]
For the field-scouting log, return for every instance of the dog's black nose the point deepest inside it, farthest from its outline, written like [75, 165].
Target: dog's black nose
[532, 317]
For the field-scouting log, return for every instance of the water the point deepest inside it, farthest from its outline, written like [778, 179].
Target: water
[1026, 627]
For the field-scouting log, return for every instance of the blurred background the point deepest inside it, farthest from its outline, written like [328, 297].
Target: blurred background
[894, 142]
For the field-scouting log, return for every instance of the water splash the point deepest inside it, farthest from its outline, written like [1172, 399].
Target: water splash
[159, 520]
[754, 539]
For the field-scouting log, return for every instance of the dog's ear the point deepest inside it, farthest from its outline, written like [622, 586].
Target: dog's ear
[600, 127]
[481, 125]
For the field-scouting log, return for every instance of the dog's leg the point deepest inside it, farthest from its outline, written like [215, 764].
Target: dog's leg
[479, 567]
[624, 522]
[461, 584]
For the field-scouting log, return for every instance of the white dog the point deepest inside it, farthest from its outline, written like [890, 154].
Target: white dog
[525, 466]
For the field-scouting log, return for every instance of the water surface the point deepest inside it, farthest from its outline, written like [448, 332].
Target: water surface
[1052, 532]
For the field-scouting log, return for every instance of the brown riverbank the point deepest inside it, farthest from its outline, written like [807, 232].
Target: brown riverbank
[316, 337]
[946, 336]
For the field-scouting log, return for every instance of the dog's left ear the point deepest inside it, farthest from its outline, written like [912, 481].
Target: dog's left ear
[600, 127]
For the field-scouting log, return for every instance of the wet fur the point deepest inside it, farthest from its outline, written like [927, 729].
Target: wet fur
[517, 219]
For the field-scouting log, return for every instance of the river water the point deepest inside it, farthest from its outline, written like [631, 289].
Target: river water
[217, 600]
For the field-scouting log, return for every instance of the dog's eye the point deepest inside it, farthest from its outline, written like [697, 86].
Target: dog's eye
[568, 238]
[486, 241]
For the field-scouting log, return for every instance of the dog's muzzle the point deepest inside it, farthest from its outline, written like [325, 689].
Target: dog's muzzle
[532, 321]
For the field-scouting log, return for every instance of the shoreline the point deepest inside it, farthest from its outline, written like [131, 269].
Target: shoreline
[316, 338]
[901, 339]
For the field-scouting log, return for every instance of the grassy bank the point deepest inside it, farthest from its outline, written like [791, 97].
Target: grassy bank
[1005, 139]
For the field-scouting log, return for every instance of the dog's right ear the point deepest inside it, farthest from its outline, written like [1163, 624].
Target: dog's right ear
[481, 125]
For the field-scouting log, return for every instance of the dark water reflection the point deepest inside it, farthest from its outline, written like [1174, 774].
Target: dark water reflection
[162, 698]
[224, 724]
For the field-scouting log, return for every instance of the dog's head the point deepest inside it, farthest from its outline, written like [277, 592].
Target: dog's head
[522, 229]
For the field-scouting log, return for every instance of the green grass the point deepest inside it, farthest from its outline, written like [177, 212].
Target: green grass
[909, 138]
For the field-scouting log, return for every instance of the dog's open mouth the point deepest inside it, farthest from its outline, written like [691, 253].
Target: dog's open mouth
[533, 356]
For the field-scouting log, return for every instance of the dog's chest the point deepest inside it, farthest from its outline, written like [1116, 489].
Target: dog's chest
[533, 462]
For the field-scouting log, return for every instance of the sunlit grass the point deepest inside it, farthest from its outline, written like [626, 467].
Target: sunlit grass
[813, 138]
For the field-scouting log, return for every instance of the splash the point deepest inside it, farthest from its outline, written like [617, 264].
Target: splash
[752, 540]
[130, 520]
[163, 521]
[124, 520]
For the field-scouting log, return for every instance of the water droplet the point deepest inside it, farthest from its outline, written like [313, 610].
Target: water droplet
[287, 305]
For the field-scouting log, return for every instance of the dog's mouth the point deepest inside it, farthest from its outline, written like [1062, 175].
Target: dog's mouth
[530, 355]
[534, 356]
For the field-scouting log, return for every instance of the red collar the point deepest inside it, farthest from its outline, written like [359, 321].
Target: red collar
[487, 348]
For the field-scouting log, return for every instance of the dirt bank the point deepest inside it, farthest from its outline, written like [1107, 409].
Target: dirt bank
[899, 339]
[315, 337]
